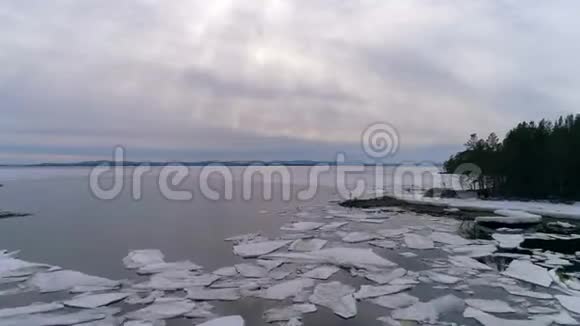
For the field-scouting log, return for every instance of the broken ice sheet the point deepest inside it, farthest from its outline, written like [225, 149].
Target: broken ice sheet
[149, 298]
[322, 272]
[256, 249]
[269, 264]
[333, 226]
[476, 251]
[415, 241]
[226, 271]
[385, 244]
[408, 254]
[528, 272]
[345, 257]
[508, 241]
[140, 258]
[395, 301]
[391, 233]
[307, 245]
[288, 313]
[49, 319]
[199, 293]
[449, 238]
[337, 297]
[302, 226]
[493, 306]
[442, 278]
[386, 277]
[176, 280]
[185, 265]
[286, 289]
[91, 301]
[570, 303]
[469, 263]
[164, 308]
[429, 312]
[368, 291]
[251, 271]
[201, 310]
[225, 321]
[243, 237]
[490, 320]
[355, 237]
[31, 309]
[65, 280]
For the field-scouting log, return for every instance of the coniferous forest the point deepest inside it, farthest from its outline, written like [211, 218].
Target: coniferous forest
[536, 160]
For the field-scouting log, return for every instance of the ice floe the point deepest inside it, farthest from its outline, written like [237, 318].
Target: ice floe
[287, 289]
[288, 313]
[508, 241]
[225, 321]
[164, 308]
[199, 293]
[141, 258]
[490, 320]
[386, 277]
[469, 263]
[256, 249]
[251, 270]
[91, 301]
[302, 226]
[570, 303]
[448, 238]
[345, 257]
[307, 245]
[415, 241]
[429, 312]
[369, 291]
[355, 237]
[177, 280]
[336, 296]
[50, 319]
[31, 309]
[154, 268]
[528, 272]
[493, 306]
[395, 301]
[63, 280]
[322, 272]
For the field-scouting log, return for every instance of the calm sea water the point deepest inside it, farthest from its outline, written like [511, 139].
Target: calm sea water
[73, 229]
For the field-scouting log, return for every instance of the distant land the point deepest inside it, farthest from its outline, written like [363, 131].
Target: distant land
[196, 163]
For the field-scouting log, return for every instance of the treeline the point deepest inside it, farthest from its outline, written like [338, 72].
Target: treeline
[535, 160]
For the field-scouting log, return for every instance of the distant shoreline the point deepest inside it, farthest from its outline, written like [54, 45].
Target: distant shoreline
[200, 163]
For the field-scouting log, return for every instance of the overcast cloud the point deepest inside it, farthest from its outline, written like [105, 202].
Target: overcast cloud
[223, 79]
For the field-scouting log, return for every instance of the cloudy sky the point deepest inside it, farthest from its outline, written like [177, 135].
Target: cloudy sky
[276, 79]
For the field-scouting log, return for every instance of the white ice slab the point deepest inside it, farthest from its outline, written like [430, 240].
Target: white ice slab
[442, 278]
[448, 238]
[429, 312]
[369, 291]
[226, 271]
[91, 301]
[490, 320]
[225, 321]
[333, 226]
[31, 309]
[386, 277]
[416, 241]
[199, 293]
[251, 270]
[493, 306]
[302, 226]
[385, 244]
[143, 257]
[508, 241]
[517, 214]
[476, 251]
[469, 263]
[507, 220]
[288, 313]
[302, 245]
[65, 280]
[528, 272]
[346, 257]
[395, 301]
[286, 289]
[570, 303]
[337, 297]
[392, 233]
[178, 280]
[185, 265]
[163, 309]
[50, 319]
[322, 272]
[355, 237]
[249, 250]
